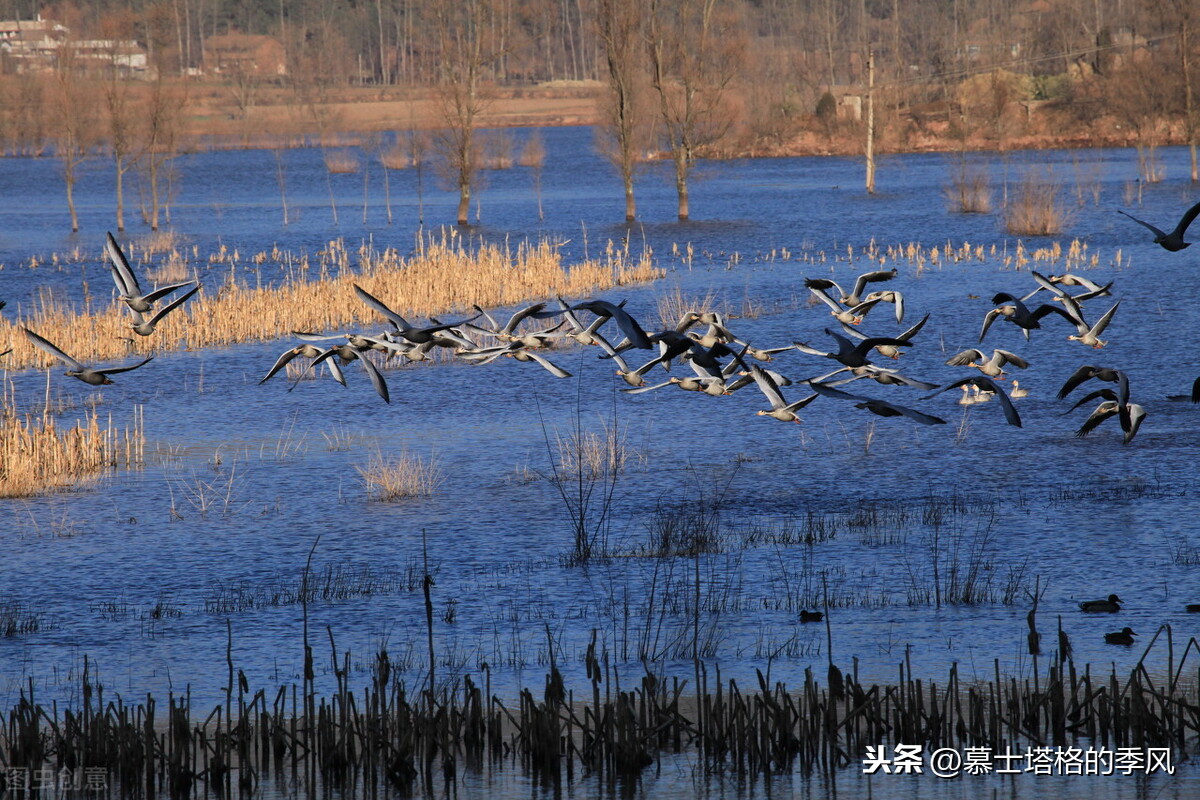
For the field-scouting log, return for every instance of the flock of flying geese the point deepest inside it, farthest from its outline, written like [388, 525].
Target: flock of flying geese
[720, 361]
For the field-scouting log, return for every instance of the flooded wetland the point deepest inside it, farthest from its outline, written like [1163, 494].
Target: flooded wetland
[494, 528]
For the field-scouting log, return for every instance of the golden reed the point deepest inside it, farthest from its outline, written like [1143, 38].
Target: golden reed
[442, 276]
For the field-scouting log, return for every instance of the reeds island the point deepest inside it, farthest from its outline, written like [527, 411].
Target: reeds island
[36, 454]
[443, 275]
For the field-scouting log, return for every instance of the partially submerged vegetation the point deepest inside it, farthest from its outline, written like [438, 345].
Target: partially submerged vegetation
[38, 454]
[427, 738]
[444, 274]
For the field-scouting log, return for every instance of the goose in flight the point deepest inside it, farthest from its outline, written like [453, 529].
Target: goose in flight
[1087, 372]
[986, 384]
[855, 296]
[886, 377]
[1088, 334]
[889, 350]
[1129, 414]
[881, 408]
[1054, 284]
[1172, 241]
[602, 308]
[780, 408]
[1012, 309]
[992, 367]
[89, 375]
[305, 351]
[850, 354]
[890, 296]
[372, 371]
[127, 282]
[851, 315]
[144, 327]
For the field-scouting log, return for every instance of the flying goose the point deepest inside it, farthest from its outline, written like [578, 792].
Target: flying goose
[780, 408]
[127, 282]
[850, 354]
[89, 375]
[1016, 312]
[993, 367]
[144, 327]
[304, 351]
[1172, 241]
[855, 296]
[851, 315]
[984, 383]
[888, 350]
[881, 408]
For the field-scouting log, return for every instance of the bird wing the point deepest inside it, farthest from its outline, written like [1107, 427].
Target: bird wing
[826, 299]
[860, 283]
[911, 413]
[43, 344]
[550, 366]
[163, 291]
[1080, 375]
[316, 337]
[1102, 412]
[1045, 283]
[126, 281]
[391, 316]
[1186, 220]
[768, 387]
[1099, 394]
[280, 363]
[520, 315]
[1010, 411]
[914, 330]
[828, 391]
[871, 342]
[174, 304]
[1102, 323]
[812, 351]
[646, 388]
[1006, 357]
[1158, 233]
[376, 378]
[988, 319]
[965, 358]
[1134, 421]
[857, 334]
[116, 370]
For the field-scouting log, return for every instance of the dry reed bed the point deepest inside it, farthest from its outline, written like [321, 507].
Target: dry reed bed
[444, 275]
[36, 454]
[384, 737]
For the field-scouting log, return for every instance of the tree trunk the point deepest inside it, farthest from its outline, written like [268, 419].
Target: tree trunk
[120, 196]
[464, 204]
[630, 205]
[681, 183]
[70, 180]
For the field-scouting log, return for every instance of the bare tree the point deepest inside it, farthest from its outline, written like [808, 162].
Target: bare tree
[73, 107]
[467, 51]
[118, 106]
[533, 156]
[162, 121]
[696, 49]
[619, 26]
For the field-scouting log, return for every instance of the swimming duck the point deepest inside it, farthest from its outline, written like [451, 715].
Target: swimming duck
[811, 616]
[1111, 605]
[1122, 637]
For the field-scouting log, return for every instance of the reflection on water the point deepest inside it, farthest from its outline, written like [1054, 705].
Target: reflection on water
[141, 571]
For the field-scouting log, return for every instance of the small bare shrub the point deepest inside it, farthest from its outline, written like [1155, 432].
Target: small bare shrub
[399, 476]
[969, 192]
[1037, 209]
[341, 162]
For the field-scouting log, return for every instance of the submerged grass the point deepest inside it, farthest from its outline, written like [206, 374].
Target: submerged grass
[38, 454]
[399, 476]
[444, 274]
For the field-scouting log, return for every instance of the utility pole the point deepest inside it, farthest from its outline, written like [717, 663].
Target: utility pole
[870, 121]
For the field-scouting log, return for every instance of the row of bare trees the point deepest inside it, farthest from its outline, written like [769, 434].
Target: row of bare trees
[85, 114]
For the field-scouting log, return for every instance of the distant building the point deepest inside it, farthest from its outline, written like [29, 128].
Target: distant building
[244, 54]
[29, 44]
[34, 45]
